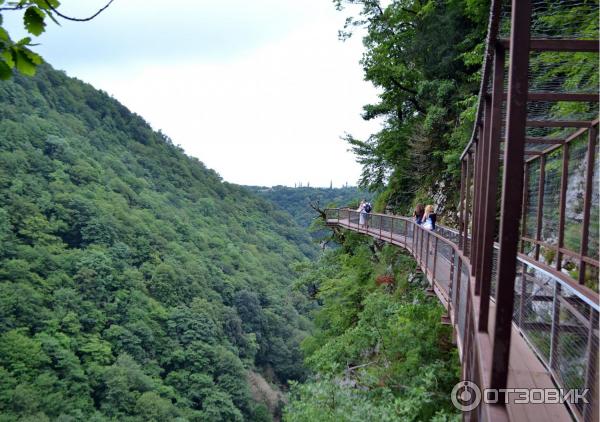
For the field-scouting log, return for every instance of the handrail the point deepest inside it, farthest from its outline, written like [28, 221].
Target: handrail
[538, 293]
[585, 294]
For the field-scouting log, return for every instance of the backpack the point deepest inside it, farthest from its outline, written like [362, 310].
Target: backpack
[368, 207]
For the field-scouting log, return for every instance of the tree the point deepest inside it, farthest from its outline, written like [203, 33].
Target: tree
[420, 55]
[17, 55]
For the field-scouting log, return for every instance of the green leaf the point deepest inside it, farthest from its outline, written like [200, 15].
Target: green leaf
[43, 4]
[5, 71]
[24, 64]
[33, 57]
[7, 56]
[34, 20]
[24, 41]
[4, 35]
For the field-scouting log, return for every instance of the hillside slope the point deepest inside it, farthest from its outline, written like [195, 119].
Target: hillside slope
[134, 283]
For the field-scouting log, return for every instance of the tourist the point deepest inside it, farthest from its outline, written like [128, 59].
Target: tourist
[429, 218]
[362, 213]
[418, 214]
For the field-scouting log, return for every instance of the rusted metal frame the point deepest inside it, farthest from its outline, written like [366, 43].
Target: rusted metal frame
[392, 228]
[540, 206]
[413, 227]
[492, 36]
[417, 234]
[451, 283]
[421, 233]
[555, 333]
[491, 117]
[477, 163]
[566, 302]
[524, 208]
[435, 252]
[469, 170]
[380, 225]
[478, 193]
[561, 96]
[468, 356]
[568, 139]
[461, 205]
[587, 199]
[564, 251]
[544, 44]
[489, 200]
[512, 191]
[473, 207]
[590, 412]
[583, 290]
[564, 176]
[426, 253]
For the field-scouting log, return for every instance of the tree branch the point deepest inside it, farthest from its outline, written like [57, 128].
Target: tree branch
[77, 19]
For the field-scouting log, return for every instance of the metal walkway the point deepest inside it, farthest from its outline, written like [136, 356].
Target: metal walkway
[536, 292]
[520, 276]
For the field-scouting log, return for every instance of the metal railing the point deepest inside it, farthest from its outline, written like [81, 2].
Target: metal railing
[557, 321]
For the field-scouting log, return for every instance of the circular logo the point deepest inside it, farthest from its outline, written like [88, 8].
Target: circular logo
[466, 396]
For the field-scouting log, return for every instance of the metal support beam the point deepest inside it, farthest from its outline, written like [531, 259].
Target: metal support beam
[512, 192]
[469, 171]
[489, 200]
[480, 160]
[524, 207]
[564, 176]
[590, 411]
[461, 206]
[587, 199]
[474, 214]
[555, 330]
[540, 206]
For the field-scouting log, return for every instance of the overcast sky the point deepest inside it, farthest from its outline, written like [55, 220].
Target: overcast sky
[260, 90]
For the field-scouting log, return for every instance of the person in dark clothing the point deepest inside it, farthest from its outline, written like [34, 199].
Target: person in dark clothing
[418, 214]
[429, 218]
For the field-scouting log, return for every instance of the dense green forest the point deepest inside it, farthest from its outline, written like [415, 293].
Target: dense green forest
[298, 201]
[379, 351]
[134, 283]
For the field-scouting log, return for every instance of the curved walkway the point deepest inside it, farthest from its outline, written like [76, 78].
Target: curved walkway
[531, 365]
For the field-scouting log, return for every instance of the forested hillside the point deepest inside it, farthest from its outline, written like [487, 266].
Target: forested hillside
[379, 351]
[297, 201]
[134, 283]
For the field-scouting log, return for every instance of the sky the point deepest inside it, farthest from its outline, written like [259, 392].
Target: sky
[260, 91]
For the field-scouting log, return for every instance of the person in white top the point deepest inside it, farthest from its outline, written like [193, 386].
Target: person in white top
[362, 213]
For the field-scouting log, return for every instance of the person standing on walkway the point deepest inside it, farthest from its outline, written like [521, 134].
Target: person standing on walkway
[429, 218]
[361, 213]
[418, 214]
[368, 208]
